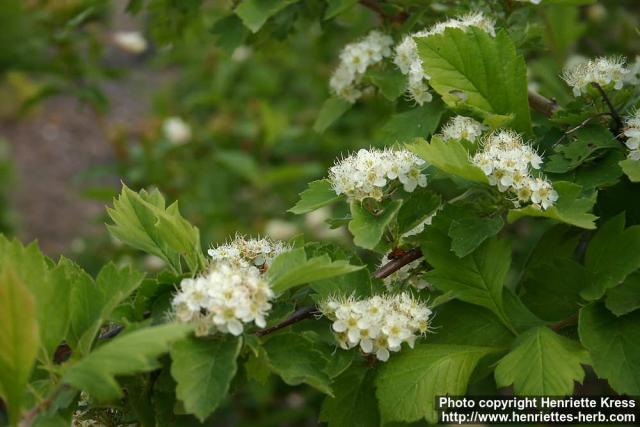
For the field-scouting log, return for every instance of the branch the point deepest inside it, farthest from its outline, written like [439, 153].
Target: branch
[569, 321]
[396, 264]
[29, 417]
[297, 316]
[379, 10]
[612, 109]
[542, 105]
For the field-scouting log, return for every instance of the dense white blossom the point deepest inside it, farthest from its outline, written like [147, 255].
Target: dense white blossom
[246, 251]
[409, 274]
[507, 160]
[176, 130]
[130, 41]
[367, 173]
[408, 60]
[223, 299]
[354, 61]
[632, 132]
[378, 325]
[603, 71]
[461, 127]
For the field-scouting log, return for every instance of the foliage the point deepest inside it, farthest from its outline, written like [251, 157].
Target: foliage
[528, 288]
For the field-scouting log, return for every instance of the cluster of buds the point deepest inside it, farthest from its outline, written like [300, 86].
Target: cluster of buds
[354, 61]
[506, 160]
[223, 299]
[408, 60]
[461, 127]
[367, 173]
[243, 251]
[176, 130]
[378, 325]
[601, 71]
[632, 132]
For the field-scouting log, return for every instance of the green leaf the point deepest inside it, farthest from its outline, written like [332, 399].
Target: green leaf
[420, 204]
[142, 221]
[407, 385]
[125, 355]
[583, 145]
[473, 69]
[320, 193]
[614, 344]
[229, 32]
[91, 303]
[419, 122]
[332, 109]
[297, 360]
[631, 168]
[354, 404]
[477, 278]
[560, 281]
[391, 82]
[625, 297]
[203, 370]
[49, 288]
[254, 13]
[613, 253]
[19, 340]
[469, 233]
[368, 228]
[292, 268]
[466, 324]
[571, 208]
[450, 157]
[542, 362]
[336, 7]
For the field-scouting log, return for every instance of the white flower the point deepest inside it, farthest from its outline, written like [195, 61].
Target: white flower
[130, 41]
[530, 1]
[368, 173]
[377, 325]
[602, 71]
[225, 298]
[461, 127]
[632, 132]
[176, 130]
[408, 61]
[355, 58]
[245, 251]
[507, 160]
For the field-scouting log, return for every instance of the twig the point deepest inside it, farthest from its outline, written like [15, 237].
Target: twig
[375, 6]
[396, 264]
[569, 321]
[30, 416]
[612, 109]
[542, 105]
[299, 315]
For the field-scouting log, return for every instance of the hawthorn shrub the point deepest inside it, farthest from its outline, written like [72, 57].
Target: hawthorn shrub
[494, 218]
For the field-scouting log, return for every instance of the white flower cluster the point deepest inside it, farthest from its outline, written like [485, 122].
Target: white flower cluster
[366, 173]
[632, 132]
[530, 1]
[409, 273]
[506, 159]
[379, 324]
[130, 41]
[223, 299]
[243, 251]
[176, 130]
[408, 60]
[461, 127]
[354, 60]
[602, 71]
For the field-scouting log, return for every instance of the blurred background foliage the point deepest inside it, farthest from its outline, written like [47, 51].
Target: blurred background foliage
[250, 100]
